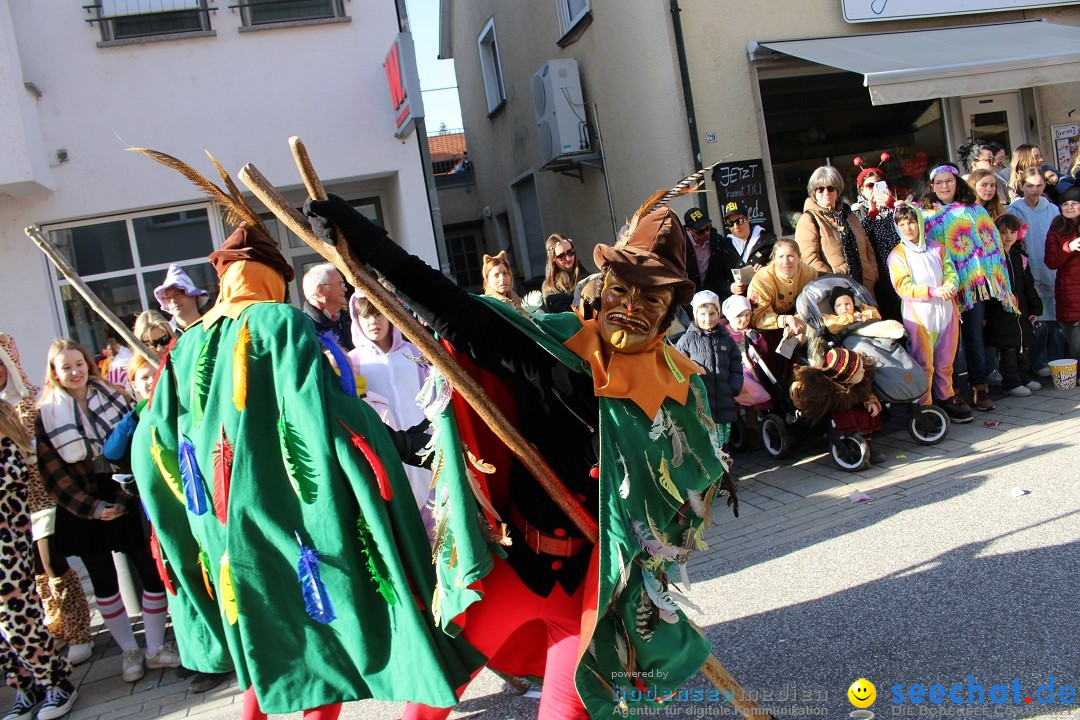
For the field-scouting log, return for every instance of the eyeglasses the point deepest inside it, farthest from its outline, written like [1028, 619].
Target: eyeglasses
[985, 159]
[944, 183]
[160, 342]
[703, 231]
[339, 282]
[170, 296]
[737, 223]
[825, 188]
[566, 255]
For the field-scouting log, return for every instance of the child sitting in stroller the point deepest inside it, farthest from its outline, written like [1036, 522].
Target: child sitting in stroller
[842, 299]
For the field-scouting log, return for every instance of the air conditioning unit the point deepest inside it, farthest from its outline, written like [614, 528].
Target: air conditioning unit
[560, 111]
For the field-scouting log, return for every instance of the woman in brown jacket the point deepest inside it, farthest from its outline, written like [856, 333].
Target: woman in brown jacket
[830, 236]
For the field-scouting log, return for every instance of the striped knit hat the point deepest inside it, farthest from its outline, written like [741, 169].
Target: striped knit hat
[841, 365]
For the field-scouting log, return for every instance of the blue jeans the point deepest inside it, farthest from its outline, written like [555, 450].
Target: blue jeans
[1049, 343]
[1071, 331]
[974, 347]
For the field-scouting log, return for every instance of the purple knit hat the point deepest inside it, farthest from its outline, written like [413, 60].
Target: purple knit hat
[176, 278]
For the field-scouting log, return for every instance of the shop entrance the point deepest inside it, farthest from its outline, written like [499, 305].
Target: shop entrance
[994, 117]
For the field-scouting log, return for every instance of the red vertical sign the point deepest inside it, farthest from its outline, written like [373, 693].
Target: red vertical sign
[392, 66]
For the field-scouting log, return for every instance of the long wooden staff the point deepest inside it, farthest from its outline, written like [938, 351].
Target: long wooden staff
[342, 257]
[35, 234]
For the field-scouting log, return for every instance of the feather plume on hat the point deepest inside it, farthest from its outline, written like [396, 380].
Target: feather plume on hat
[251, 240]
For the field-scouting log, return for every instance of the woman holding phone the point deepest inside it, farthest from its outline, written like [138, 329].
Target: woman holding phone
[875, 212]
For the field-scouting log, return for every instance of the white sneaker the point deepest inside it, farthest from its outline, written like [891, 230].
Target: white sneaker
[165, 657]
[133, 665]
[79, 653]
[1020, 391]
[1034, 386]
[1042, 372]
[994, 378]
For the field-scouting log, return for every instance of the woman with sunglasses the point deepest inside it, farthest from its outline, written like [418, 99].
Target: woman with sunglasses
[875, 212]
[954, 218]
[564, 270]
[153, 329]
[829, 235]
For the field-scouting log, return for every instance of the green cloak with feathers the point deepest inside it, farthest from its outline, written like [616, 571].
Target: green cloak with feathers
[265, 482]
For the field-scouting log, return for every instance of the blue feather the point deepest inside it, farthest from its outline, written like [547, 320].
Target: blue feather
[194, 487]
[348, 380]
[316, 599]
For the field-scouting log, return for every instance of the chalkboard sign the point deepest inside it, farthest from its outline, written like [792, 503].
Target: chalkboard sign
[744, 181]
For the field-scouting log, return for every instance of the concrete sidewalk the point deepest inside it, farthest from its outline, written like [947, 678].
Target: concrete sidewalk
[780, 503]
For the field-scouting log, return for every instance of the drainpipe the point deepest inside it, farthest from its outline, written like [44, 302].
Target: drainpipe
[688, 95]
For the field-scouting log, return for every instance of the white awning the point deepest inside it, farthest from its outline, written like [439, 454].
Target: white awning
[925, 64]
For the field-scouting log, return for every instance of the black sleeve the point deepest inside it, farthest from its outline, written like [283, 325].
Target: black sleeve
[466, 322]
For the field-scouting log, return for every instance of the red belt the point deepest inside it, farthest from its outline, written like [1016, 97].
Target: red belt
[543, 543]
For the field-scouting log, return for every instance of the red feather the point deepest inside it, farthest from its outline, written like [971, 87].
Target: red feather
[155, 552]
[381, 477]
[223, 458]
[157, 374]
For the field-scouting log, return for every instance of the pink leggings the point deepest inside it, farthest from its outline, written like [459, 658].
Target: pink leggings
[252, 711]
[508, 605]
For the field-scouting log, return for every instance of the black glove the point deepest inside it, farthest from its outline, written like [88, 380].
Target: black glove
[410, 442]
[359, 232]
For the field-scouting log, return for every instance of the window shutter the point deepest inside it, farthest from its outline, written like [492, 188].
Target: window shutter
[532, 223]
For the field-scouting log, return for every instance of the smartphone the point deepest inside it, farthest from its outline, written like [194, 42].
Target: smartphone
[881, 187]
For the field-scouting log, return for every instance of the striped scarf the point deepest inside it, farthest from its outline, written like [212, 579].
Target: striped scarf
[65, 425]
[972, 243]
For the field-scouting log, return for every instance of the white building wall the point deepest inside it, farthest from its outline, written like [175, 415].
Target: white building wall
[238, 94]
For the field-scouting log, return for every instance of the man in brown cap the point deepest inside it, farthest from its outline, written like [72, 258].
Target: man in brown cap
[619, 416]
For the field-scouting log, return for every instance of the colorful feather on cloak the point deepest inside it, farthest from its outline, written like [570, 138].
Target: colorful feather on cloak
[204, 374]
[223, 458]
[316, 599]
[381, 477]
[204, 565]
[225, 588]
[169, 473]
[329, 341]
[194, 486]
[374, 562]
[295, 456]
[241, 350]
[159, 561]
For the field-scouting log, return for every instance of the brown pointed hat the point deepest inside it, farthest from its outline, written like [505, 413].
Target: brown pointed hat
[250, 243]
[654, 254]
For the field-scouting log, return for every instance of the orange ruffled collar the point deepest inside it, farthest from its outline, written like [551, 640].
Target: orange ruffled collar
[648, 377]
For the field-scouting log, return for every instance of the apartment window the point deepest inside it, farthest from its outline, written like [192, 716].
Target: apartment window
[129, 19]
[571, 12]
[465, 263]
[269, 12]
[527, 204]
[123, 259]
[489, 64]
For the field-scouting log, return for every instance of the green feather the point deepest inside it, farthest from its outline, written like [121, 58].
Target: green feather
[297, 461]
[204, 371]
[378, 576]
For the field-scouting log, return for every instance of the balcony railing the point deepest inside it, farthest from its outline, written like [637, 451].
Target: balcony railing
[450, 159]
[128, 19]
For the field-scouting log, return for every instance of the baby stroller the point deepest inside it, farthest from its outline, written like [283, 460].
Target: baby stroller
[899, 379]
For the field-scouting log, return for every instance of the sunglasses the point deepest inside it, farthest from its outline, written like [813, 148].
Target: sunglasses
[566, 255]
[161, 342]
[703, 231]
[825, 188]
[737, 223]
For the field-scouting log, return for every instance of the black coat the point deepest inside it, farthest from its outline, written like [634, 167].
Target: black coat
[718, 276]
[557, 408]
[1003, 328]
[342, 327]
[719, 356]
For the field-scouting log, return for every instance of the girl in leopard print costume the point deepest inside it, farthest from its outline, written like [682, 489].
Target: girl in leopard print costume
[32, 666]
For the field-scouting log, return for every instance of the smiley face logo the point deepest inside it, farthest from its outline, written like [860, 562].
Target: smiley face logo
[862, 693]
